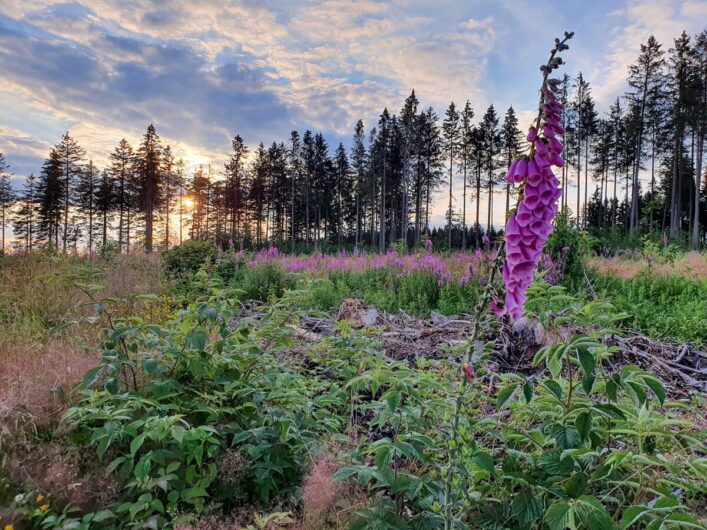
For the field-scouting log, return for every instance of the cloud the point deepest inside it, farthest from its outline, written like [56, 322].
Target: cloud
[665, 19]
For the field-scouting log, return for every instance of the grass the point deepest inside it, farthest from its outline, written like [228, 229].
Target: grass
[49, 338]
[664, 300]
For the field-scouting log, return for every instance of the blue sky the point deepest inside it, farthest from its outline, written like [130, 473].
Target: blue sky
[203, 71]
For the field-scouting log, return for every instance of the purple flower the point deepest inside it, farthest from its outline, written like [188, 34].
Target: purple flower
[529, 227]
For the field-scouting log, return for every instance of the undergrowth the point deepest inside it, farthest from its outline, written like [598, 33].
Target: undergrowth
[210, 414]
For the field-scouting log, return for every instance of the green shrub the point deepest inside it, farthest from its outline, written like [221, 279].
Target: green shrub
[185, 259]
[264, 281]
[569, 247]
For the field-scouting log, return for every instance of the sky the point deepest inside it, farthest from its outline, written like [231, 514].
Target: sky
[205, 70]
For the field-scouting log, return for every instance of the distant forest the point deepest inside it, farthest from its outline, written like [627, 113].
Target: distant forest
[301, 192]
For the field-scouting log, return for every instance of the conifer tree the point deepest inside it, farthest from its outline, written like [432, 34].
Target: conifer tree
[645, 81]
[122, 172]
[85, 200]
[149, 180]
[511, 141]
[71, 156]
[105, 203]
[24, 220]
[450, 130]
[7, 198]
[50, 195]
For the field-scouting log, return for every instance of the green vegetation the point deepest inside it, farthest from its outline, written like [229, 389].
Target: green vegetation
[210, 410]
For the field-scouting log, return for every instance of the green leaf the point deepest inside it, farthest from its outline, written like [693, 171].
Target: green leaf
[190, 494]
[576, 485]
[554, 387]
[588, 384]
[528, 392]
[345, 473]
[567, 436]
[557, 516]
[636, 392]
[632, 515]
[112, 385]
[136, 444]
[553, 463]
[485, 461]
[593, 515]
[611, 389]
[527, 508]
[587, 361]
[505, 395]
[684, 519]
[666, 502]
[656, 387]
[197, 339]
[583, 423]
[92, 376]
[103, 515]
[610, 410]
[149, 364]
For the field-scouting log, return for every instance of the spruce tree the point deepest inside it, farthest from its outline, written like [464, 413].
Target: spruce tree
[71, 157]
[149, 181]
[7, 198]
[359, 160]
[24, 219]
[105, 203]
[511, 141]
[122, 172]
[645, 86]
[450, 130]
[50, 195]
[85, 200]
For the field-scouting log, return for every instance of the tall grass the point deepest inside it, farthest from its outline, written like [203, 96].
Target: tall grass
[46, 333]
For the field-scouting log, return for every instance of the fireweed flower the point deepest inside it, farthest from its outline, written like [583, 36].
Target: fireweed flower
[529, 227]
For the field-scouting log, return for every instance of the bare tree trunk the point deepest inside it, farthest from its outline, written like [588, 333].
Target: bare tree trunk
[695, 240]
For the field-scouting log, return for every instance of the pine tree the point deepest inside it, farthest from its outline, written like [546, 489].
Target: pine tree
[645, 81]
[235, 168]
[199, 192]
[359, 160]
[7, 198]
[410, 147]
[85, 201]
[50, 194]
[450, 130]
[105, 203]
[380, 169]
[295, 169]
[71, 156]
[465, 152]
[491, 140]
[511, 141]
[170, 188]
[258, 190]
[24, 220]
[682, 91]
[149, 181]
[122, 171]
[700, 119]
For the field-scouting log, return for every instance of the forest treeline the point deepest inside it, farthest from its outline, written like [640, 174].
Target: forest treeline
[644, 159]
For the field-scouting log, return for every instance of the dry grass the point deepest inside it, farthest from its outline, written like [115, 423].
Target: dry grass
[40, 361]
[692, 266]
